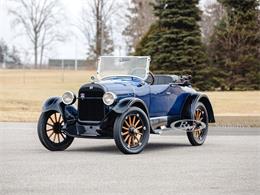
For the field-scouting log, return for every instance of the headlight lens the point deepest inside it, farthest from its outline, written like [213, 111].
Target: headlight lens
[109, 98]
[68, 98]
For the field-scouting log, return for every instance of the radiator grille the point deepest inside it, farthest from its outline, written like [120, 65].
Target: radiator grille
[90, 105]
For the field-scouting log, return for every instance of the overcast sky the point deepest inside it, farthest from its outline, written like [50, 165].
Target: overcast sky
[74, 47]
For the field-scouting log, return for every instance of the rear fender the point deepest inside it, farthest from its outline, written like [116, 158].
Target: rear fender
[205, 100]
[191, 102]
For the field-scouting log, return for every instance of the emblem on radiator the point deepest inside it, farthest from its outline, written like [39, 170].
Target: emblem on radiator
[82, 95]
[90, 87]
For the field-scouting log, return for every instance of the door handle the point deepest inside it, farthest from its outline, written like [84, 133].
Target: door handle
[168, 93]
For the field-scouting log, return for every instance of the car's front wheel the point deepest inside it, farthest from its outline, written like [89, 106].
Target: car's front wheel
[132, 131]
[198, 136]
[50, 131]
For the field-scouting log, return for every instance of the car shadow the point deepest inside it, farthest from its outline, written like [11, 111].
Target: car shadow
[96, 149]
[165, 146]
[112, 149]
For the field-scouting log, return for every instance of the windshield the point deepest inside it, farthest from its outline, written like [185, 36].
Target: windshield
[137, 66]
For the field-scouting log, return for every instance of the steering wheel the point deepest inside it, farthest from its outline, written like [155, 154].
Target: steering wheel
[150, 79]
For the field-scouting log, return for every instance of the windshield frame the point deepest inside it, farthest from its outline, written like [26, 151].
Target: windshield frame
[147, 66]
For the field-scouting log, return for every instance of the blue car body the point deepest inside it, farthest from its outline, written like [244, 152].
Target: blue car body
[163, 103]
[127, 103]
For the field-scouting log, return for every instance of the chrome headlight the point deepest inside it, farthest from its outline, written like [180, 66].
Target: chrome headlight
[68, 98]
[109, 98]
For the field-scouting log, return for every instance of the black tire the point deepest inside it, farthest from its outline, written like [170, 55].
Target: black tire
[131, 131]
[197, 138]
[49, 129]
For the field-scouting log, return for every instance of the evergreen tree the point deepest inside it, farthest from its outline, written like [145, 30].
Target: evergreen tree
[174, 41]
[235, 45]
[10, 57]
[14, 57]
[4, 50]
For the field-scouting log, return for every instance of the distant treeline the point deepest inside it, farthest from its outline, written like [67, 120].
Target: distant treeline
[9, 56]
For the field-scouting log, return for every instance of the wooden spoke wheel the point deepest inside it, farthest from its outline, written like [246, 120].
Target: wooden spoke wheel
[131, 131]
[198, 116]
[198, 136]
[50, 131]
[54, 128]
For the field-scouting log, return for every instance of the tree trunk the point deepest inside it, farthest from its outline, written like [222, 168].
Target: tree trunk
[97, 29]
[41, 56]
[35, 53]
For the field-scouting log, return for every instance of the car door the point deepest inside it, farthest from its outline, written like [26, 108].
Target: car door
[174, 91]
[159, 100]
[143, 92]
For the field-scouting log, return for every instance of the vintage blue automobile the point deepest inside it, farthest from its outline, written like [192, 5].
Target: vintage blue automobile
[128, 103]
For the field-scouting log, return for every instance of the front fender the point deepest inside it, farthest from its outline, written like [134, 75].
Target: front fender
[53, 103]
[68, 112]
[126, 103]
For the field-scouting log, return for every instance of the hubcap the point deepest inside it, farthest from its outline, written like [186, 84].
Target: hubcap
[133, 131]
[57, 127]
[54, 128]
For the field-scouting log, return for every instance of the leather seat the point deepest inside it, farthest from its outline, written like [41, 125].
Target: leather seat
[165, 79]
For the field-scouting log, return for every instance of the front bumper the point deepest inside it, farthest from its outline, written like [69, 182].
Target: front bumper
[84, 130]
[76, 128]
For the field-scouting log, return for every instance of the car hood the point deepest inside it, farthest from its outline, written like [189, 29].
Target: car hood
[120, 88]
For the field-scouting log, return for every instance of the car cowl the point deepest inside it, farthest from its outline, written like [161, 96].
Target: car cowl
[119, 88]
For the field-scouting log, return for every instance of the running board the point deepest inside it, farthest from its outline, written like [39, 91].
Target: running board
[157, 131]
[158, 122]
[161, 130]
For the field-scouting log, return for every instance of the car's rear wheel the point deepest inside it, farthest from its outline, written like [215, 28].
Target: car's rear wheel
[132, 131]
[50, 131]
[198, 136]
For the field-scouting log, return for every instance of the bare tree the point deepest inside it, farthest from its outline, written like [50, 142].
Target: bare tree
[139, 17]
[39, 20]
[212, 14]
[98, 36]
[50, 35]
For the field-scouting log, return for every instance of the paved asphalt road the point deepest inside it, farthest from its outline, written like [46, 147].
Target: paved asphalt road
[228, 163]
